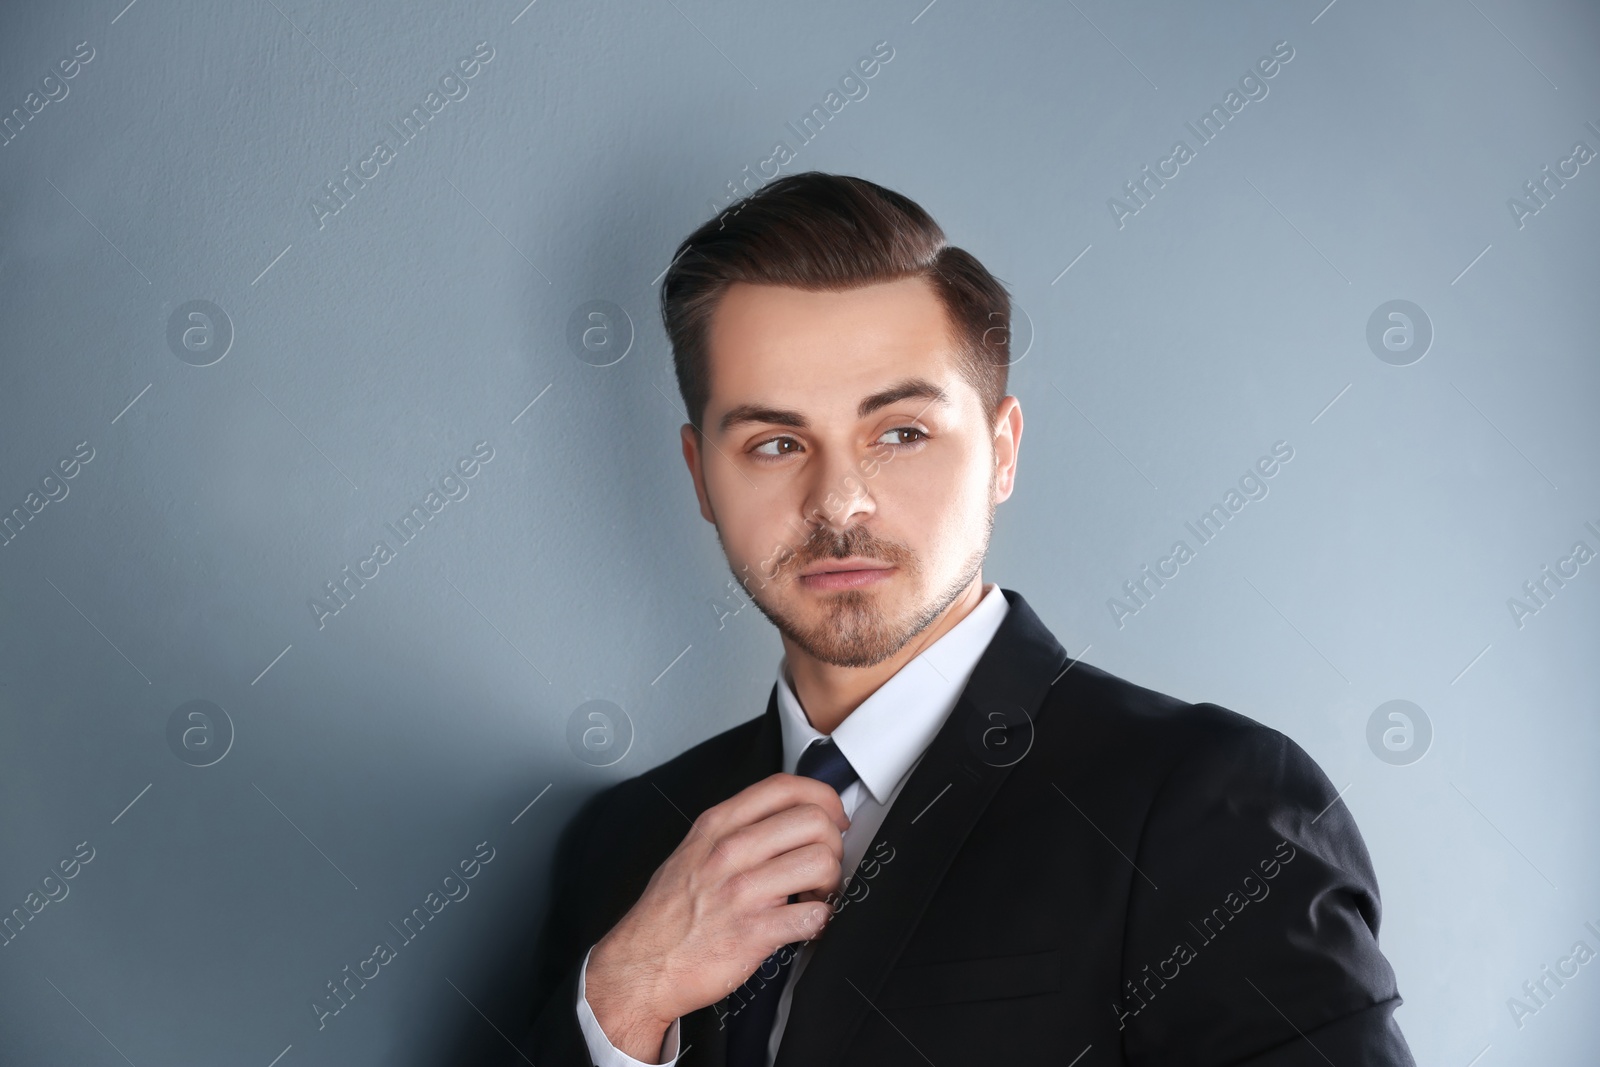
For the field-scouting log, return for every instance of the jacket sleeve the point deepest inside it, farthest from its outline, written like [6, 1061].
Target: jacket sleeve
[1252, 926]
[555, 1038]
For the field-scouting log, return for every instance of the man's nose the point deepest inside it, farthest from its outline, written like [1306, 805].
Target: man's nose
[837, 494]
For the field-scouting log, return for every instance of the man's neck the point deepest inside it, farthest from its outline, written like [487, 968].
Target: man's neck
[828, 694]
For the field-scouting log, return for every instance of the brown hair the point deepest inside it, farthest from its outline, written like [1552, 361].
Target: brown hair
[831, 232]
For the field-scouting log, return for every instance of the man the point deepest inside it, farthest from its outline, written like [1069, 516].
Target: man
[1047, 864]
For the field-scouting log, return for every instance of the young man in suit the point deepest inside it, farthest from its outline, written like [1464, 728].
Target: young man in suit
[1046, 863]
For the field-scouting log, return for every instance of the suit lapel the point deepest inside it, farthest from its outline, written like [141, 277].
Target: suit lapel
[945, 796]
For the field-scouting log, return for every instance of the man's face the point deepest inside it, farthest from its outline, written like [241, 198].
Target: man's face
[847, 465]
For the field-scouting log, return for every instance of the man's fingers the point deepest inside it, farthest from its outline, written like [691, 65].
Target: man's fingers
[770, 796]
[781, 832]
[810, 867]
[751, 893]
[795, 922]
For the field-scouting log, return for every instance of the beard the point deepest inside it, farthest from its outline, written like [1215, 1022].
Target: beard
[852, 630]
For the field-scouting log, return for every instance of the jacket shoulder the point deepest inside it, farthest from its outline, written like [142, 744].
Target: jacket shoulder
[1150, 750]
[1158, 725]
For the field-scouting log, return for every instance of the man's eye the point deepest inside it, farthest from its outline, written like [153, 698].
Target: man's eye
[777, 446]
[918, 436]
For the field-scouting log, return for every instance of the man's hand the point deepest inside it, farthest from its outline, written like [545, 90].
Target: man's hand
[718, 907]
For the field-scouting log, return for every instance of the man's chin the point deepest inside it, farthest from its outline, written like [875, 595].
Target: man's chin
[843, 628]
[843, 650]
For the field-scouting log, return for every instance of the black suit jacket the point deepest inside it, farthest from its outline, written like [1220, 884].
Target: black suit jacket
[1079, 871]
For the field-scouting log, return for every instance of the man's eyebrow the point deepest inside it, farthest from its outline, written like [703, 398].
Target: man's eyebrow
[907, 389]
[903, 390]
[761, 413]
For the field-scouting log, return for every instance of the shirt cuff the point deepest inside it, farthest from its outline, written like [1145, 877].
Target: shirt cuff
[601, 1050]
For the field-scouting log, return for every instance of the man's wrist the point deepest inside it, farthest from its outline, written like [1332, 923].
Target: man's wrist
[623, 1012]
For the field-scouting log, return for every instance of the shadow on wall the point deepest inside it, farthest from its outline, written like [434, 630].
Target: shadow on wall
[620, 265]
[516, 974]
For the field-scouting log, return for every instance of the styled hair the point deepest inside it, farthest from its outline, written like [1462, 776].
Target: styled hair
[831, 232]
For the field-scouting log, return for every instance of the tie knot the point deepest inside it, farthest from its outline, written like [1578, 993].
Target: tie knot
[823, 761]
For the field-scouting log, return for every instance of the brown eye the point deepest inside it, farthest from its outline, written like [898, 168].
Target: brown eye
[777, 446]
[918, 435]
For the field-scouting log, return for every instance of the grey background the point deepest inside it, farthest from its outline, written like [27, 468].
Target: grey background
[369, 355]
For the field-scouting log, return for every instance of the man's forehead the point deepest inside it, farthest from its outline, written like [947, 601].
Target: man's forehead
[881, 311]
[834, 353]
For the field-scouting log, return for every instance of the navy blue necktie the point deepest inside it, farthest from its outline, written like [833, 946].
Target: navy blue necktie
[750, 1025]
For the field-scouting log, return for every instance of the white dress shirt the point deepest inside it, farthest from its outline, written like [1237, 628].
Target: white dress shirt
[884, 739]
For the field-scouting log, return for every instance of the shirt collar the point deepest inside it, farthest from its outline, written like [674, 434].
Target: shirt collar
[884, 736]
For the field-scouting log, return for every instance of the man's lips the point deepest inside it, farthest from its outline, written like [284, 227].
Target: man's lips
[848, 563]
[850, 573]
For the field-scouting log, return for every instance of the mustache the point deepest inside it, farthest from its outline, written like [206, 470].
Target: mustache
[825, 542]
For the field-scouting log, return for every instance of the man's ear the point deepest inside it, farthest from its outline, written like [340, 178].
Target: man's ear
[692, 458]
[1007, 443]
